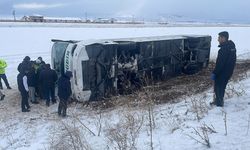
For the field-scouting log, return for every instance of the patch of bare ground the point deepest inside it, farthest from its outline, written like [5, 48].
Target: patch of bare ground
[171, 90]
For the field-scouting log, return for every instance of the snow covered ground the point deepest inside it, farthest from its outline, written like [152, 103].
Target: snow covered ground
[17, 42]
[175, 124]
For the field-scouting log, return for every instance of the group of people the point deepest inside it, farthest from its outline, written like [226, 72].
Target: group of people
[36, 79]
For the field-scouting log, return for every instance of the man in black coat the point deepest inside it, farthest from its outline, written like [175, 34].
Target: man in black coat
[48, 78]
[39, 67]
[64, 92]
[25, 64]
[32, 82]
[224, 68]
[23, 88]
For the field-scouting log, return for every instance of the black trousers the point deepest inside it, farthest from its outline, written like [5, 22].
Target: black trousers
[62, 107]
[25, 103]
[49, 93]
[39, 91]
[3, 76]
[219, 89]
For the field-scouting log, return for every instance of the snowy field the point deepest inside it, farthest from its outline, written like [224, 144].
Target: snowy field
[175, 124]
[17, 42]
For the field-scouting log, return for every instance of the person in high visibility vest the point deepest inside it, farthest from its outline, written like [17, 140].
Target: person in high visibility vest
[3, 65]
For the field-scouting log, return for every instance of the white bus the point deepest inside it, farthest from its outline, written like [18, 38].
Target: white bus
[102, 68]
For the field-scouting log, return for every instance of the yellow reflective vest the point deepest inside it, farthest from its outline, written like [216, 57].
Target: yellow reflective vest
[3, 65]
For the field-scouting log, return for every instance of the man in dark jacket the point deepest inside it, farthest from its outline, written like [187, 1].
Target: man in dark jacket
[23, 88]
[32, 82]
[39, 66]
[64, 92]
[25, 64]
[224, 68]
[48, 78]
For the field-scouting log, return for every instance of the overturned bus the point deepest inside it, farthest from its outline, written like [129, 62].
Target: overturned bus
[102, 68]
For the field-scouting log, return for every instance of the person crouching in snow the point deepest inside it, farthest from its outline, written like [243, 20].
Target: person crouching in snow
[23, 88]
[64, 92]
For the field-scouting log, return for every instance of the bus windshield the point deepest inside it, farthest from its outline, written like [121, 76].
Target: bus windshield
[58, 51]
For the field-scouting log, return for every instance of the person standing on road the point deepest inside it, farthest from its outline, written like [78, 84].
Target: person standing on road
[64, 92]
[48, 78]
[3, 76]
[23, 88]
[224, 67]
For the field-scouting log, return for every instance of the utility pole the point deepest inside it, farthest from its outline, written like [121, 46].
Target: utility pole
[86, 16]
[14, 14]
[133, 18]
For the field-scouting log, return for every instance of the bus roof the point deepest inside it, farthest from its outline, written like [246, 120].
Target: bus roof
[132, 39]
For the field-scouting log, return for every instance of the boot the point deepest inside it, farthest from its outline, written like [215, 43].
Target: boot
[26, 110]
[2, 97]
[212, 103]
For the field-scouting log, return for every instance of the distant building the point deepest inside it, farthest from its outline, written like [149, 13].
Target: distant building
[62, 20]
[105, 20]
[36, 18]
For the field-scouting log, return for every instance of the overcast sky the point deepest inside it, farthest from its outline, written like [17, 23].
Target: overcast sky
[225, 10]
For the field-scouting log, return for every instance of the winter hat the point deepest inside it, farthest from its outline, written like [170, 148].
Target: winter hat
[40, 58]
[68, 74]
[38, 61]
[224, 34]
[26, 58]
[47, 65]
